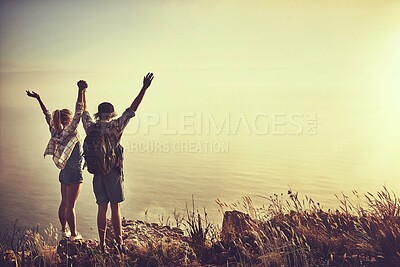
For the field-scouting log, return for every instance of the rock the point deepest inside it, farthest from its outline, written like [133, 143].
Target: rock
[127, 222]
[69, 248]
[141, 241]
[178, 230]
[238, 225]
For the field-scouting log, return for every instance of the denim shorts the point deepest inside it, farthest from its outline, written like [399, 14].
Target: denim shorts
[70, 176]
[109, 188]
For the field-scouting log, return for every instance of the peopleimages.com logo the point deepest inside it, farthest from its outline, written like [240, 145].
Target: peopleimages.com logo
[206, 126]
[206, 123]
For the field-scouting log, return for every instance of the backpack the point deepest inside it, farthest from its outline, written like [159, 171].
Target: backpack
[100, 156]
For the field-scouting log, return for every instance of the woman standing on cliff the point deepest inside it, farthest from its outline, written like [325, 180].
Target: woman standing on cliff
[64, 146]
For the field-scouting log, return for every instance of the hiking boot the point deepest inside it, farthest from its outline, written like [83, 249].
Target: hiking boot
[66, 233]
[78, 236]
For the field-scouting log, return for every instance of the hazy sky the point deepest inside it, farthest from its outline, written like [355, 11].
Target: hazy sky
[200, 50]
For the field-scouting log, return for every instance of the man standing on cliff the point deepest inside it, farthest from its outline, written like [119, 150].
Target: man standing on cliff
[108, 187]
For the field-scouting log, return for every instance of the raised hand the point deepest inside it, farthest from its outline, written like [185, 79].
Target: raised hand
[32, 94]
[82, 85]
[146, 83]
[37, 96]
[147, 80]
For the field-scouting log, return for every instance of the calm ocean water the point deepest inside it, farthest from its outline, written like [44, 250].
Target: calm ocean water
[160, 177]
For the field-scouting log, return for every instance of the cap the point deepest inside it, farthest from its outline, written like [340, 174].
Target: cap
[105, 107]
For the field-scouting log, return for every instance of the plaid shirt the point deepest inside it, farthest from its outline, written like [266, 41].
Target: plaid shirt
[112, 128]
[62, 143]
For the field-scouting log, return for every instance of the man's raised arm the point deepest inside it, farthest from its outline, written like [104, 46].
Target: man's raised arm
[146, 84]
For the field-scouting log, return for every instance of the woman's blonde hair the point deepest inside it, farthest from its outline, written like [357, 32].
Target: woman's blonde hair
[61, 118]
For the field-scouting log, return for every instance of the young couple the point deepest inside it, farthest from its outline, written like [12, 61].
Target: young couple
[65, 148]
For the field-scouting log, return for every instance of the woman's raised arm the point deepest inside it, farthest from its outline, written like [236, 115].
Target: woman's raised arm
[37, 96]
[42, 106]
[71, 127]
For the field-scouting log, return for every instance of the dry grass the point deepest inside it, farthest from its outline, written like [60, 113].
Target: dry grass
[286, 231]
[294, 232]
[27, 247]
